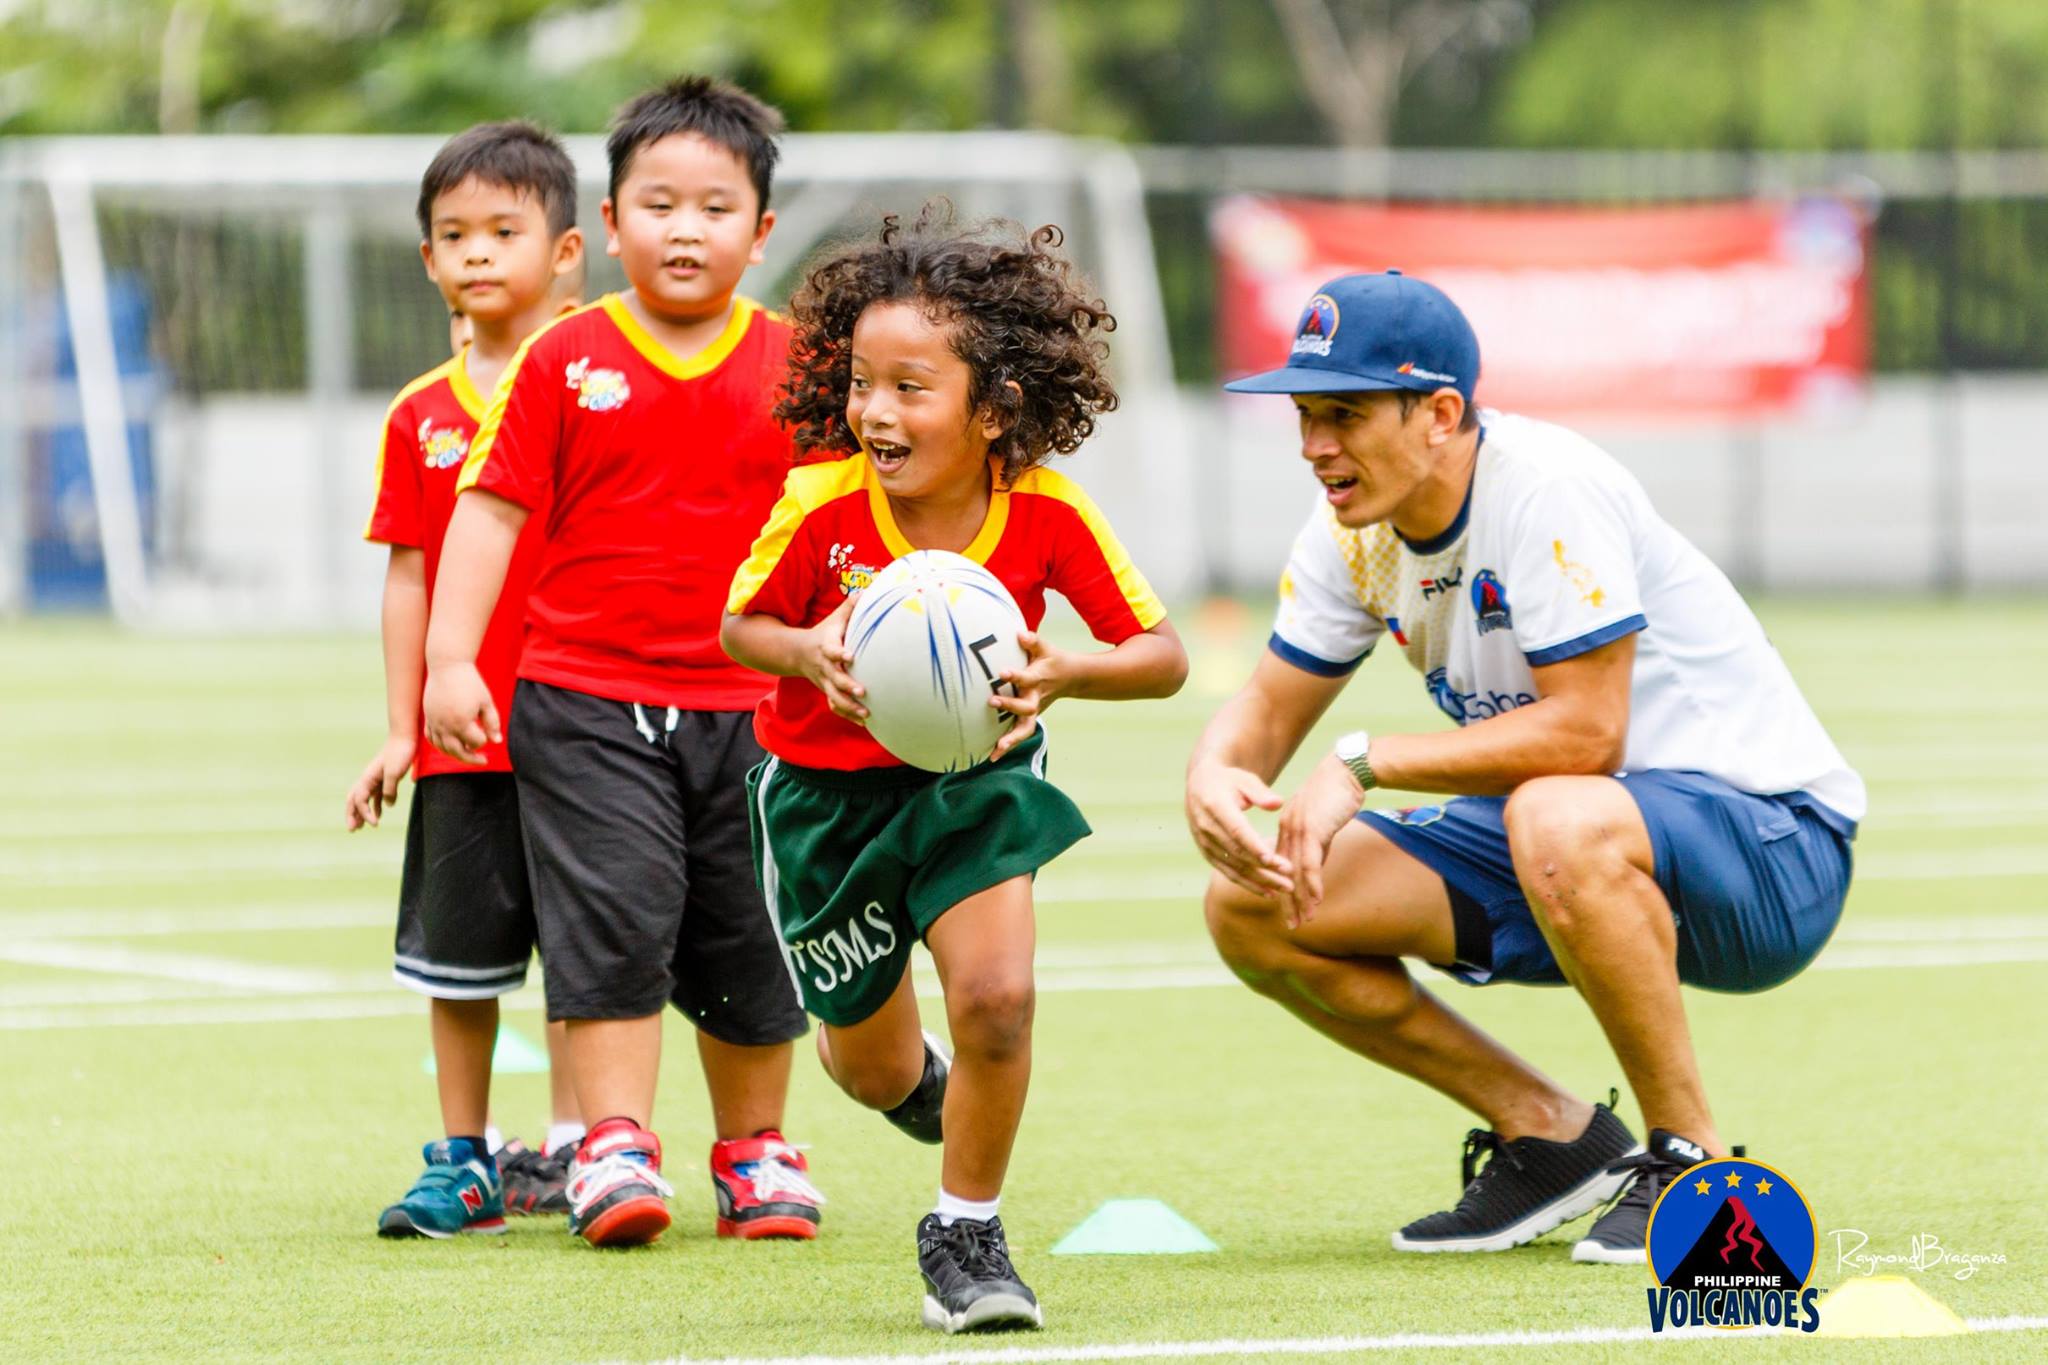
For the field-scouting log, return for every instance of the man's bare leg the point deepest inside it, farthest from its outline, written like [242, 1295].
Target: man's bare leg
[1341, 974]
[1585, 861]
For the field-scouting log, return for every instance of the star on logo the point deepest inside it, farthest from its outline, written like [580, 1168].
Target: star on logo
[1763, 1186]
[1701, 1185]
[1735, 1179]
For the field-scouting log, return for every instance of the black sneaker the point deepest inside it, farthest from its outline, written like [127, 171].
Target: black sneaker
[921, 1112]
[1619, 1235]
[970, 1285]
[535, 1182]
[1529, 1186]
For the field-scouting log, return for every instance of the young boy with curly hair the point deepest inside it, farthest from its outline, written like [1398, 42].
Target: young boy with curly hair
[949, 368]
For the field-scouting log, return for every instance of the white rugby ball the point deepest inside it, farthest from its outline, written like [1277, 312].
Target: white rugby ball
[931, 636]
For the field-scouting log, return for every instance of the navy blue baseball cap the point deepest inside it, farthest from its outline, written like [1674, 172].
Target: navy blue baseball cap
[1385, 331]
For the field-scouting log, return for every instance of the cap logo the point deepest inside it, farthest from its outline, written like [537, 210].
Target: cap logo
[1433, 376]
[1317, 326]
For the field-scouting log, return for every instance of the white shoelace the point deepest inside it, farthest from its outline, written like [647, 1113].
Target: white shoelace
[594, 1179]
[776, 1174]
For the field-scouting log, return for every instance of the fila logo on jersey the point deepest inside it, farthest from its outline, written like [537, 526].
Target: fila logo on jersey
[441, 447]
[596, 390]
[1490, 603]
[1318, 324]
[1442, 582]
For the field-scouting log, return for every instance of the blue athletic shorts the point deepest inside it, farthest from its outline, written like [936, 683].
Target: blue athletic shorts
[1756, 883]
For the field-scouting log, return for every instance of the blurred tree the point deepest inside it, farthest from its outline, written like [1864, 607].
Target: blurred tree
[1356, 56]
[1826, 74]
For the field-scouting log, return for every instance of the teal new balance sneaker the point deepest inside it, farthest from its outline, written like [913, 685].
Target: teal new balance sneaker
[458, 1192]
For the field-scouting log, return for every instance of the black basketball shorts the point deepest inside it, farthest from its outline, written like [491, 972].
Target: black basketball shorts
[643, 878]
[465, 914]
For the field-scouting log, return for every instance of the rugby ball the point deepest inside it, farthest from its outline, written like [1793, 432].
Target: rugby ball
[931, 637]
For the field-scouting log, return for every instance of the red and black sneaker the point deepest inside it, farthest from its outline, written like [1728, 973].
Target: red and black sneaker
[763, 1188]
[535, 1182]
[617, 1197]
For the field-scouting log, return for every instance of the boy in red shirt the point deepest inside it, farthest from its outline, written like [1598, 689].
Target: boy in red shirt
[498, 231]
[641, 428]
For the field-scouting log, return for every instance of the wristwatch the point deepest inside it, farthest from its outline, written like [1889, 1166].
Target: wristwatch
[1354, 751]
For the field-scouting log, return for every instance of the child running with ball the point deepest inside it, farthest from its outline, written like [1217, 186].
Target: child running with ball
[946, 368]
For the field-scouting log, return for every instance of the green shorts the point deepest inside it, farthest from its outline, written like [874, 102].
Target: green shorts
[857, 866]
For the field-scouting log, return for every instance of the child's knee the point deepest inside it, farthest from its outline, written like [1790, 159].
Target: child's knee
[991, 1013]
[878, 1080]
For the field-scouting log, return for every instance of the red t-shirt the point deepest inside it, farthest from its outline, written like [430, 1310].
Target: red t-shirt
[655, 472]
[427, 435]
[832, 531]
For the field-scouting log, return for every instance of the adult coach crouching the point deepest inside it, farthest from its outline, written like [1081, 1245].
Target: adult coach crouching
[1643, 797]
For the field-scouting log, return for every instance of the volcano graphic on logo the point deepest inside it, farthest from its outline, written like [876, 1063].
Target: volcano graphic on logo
[1318, 321]
[1732, 1245]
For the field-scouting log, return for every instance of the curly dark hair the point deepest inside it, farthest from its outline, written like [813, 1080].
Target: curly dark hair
[1018, 310]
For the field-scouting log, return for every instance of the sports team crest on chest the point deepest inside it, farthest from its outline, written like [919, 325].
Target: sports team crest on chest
[596, 390]
[441, 447]
[1490, 603]
[852, 577]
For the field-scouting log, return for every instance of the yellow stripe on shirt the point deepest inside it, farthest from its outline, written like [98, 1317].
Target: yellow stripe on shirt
[445, 370]
[807, 488]
[1137, 593]
[494, 417]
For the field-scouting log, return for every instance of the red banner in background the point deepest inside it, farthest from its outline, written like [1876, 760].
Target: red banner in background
[1712, 311]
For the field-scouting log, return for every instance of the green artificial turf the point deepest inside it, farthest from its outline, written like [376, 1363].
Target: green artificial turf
[201, 1163]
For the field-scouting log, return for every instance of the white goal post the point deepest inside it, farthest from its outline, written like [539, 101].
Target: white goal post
[278, 283]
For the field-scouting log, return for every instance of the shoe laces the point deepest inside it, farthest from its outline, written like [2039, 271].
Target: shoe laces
[1650, 1173]
[773, 1173]
[1484, 1142]
[595, 1177]
[983, 1253]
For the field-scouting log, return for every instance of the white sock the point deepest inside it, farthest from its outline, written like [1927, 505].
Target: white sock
[493, 1139]
[952, 1206]
[559, 1133]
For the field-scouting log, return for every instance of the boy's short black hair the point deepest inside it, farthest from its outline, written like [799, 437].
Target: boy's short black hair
[515, 154]
[715, 110]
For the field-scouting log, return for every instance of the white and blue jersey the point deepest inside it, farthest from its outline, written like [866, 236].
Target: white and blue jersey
[1556, 552]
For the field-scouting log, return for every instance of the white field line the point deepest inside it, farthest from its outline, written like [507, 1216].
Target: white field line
[249, 919]
[1124, 967]
[1299, 1346]
[298, 861]
[230, 973]
[17, 926]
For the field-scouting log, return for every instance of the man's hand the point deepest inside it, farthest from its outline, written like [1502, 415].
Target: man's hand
[826, 659]
[460, 715]
[1217, 798]
[1327, 802]
[377, 788]
[1043, 680]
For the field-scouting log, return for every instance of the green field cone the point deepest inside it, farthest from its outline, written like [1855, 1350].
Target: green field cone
[514, 1053]
[1133, 1227]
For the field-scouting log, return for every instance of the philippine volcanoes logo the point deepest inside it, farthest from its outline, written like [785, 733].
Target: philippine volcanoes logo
[1490, 603]
[1731, 1244]
[597, 390]
[441, 447]
[1318, 324]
